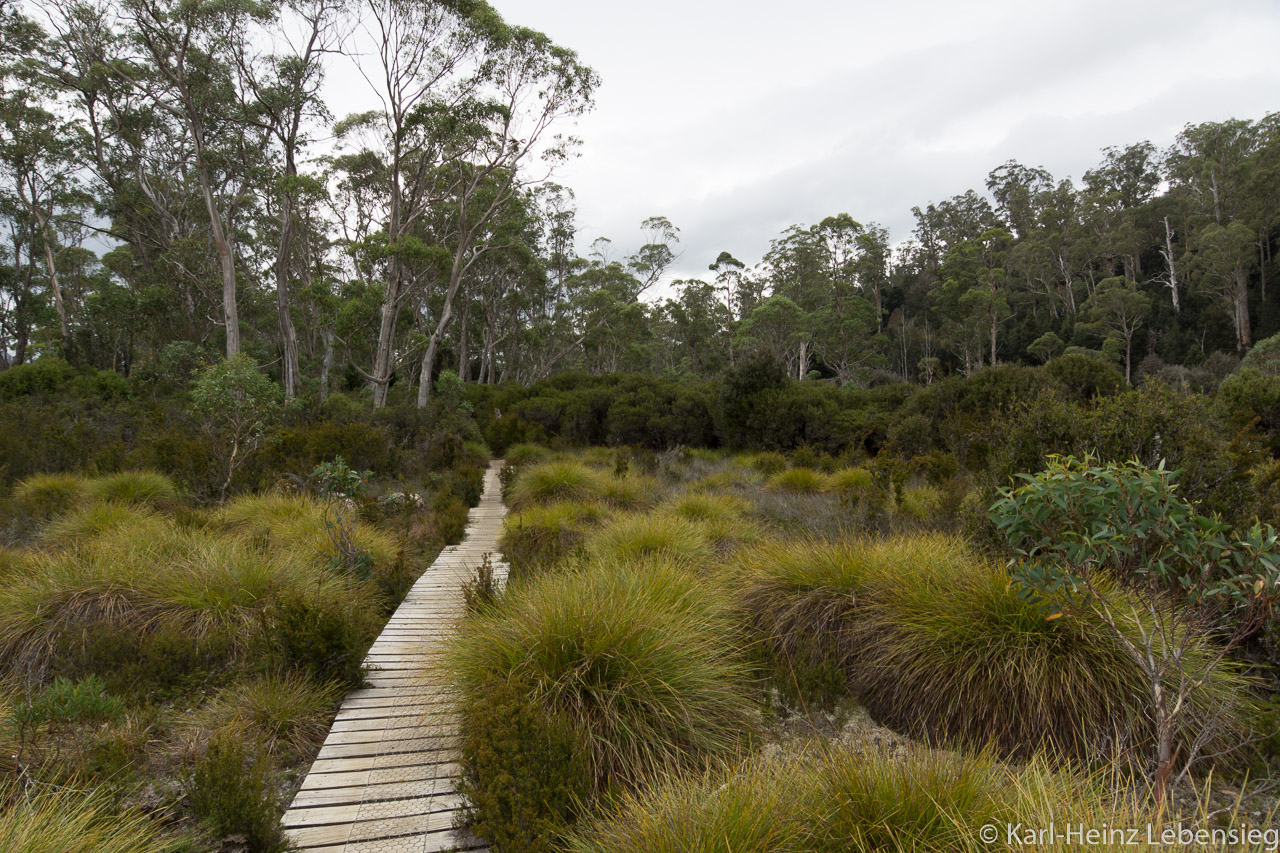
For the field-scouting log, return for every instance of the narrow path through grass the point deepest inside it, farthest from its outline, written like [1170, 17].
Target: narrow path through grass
[384, 779]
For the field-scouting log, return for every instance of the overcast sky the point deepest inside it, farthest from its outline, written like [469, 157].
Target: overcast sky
[737, 119]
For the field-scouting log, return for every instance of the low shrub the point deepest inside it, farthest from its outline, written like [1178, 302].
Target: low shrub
[769, 463]
[135, 487]
[798, 481]
[556, 481]
[524, 775]
[638, 664]
[231, 791]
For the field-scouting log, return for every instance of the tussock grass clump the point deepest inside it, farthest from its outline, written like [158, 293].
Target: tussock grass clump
[631, 492]
[149, 578]
[287, 713]
[637, 663]
[44, 496]
[98, 518]
[294, 525]
[842, 800]
[857, 486]
[556, 481]
[798, 481]
[40, 821]
[135, 487]
[541, 537]
[920, 502]
[768, 463]
[656, 535]
[937, 643]
[700, 506]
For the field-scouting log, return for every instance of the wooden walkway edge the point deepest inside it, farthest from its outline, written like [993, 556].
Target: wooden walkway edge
[384, 780]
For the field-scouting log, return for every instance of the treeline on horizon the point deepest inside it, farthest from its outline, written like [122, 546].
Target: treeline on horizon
[165, 201]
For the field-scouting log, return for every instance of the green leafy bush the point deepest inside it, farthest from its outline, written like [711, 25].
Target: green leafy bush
[524, 773]
[231, 791]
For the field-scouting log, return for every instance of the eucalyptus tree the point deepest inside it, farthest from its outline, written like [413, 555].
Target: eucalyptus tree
[282, 93]
[187, 48]
[1116, 311]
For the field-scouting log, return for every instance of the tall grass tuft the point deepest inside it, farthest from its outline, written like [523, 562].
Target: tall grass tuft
[70, 822]
[98, 518]
[288, 714]
[798, 481]
[637, 663]
[937, 643]
[135, 487]
[541, 537]
[632, 492]
[556, 481]
[838, 799]
[295, 526]
[44, 496]
[654, 535]
[152, 576]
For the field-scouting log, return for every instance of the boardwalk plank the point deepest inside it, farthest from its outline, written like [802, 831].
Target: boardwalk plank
[384, 780]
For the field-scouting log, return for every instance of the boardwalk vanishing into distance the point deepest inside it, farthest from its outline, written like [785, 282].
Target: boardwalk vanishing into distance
[384, 781]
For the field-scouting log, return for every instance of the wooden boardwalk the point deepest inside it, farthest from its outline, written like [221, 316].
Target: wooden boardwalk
[384, 780]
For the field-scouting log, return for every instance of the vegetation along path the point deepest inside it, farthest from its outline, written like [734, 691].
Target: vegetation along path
[384, 779]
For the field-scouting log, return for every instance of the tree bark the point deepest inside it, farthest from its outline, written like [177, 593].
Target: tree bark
[227, 261]
[446, 314]
[288, 334]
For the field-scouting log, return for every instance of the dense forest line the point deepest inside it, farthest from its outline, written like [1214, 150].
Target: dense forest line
[173, 187]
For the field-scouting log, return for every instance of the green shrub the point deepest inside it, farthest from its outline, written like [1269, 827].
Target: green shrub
[135, 487]
[797, 481]
[556, 481]
[638, 663]
[804, 457]
[542, 537]
[524, 774]
[638, 537]
[231, 790]
[44, 496]
[42, 376]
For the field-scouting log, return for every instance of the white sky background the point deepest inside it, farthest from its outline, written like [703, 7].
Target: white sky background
[738, 119]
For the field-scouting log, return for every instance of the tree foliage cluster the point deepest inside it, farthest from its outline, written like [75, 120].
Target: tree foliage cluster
[173, 186]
